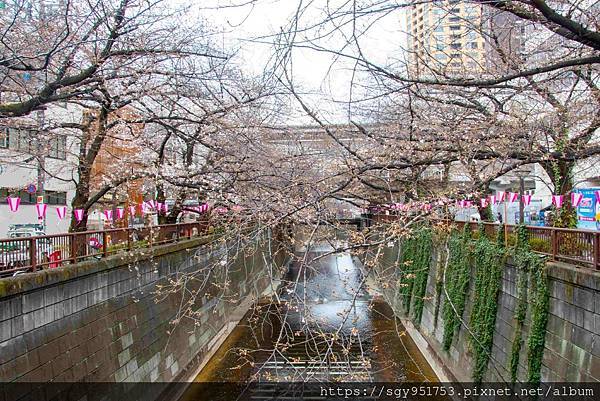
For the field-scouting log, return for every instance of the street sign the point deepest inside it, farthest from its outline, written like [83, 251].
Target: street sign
[31, 189]
[40, 199]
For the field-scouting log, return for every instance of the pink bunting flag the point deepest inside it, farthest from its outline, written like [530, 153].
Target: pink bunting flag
[108, 213]
[576, 198]
[159, 207]
[78, 214]
[598, 196]
[120, 213]
[501, 196]
[557, 200]
[512, 197]
[484, 202]
[526, 200]
[146, 206]
[468, 203]
[13, 203]
[132, 211]
[492, 199]
[165, 207]
[61, 211]
[41, 210]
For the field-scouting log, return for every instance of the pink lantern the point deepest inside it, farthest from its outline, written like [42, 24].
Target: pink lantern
[557, 200]
[526, 200]
[120, 213]
[61, 211]
[41, 210]
[512, 197]
[78, 214]
[13, 203]
[576, 198]
[108, 213]
[484, 202]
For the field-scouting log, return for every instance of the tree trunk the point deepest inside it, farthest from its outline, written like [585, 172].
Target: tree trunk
[561, 174]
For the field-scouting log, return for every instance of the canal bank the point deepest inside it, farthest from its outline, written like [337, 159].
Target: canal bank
[325, 323]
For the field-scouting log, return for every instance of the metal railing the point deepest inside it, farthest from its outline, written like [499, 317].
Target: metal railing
[579, 247]
[28, 254]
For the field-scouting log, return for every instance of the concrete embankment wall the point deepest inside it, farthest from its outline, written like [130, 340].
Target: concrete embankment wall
[572, 340]
[114, 320]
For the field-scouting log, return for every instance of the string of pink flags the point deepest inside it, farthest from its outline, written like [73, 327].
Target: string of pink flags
[145, 207]
[511, 197]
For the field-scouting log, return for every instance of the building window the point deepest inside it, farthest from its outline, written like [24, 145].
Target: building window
[56, 198]
[22, 140]
[454, 19]
[52, 197]
[58, 147]
[439, 46]
[456, 45]
[4, 137]
[439, 28]
[455, 27]
[473, 45]
[26, 197]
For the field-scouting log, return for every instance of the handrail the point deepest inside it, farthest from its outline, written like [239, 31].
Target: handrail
[27, 254]
[575, 246]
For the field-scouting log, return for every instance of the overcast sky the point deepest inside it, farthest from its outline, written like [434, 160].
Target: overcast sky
[244, 27]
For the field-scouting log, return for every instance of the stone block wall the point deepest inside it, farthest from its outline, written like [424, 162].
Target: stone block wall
[103, 321]
[572, 342]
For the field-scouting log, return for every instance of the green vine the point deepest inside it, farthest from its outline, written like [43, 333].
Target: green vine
[457, 284]
[540, 303]
[415, 261]
[531, 271]
[489, 262]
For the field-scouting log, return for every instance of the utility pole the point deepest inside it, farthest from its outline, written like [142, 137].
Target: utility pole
[521, 204]
[41, 177]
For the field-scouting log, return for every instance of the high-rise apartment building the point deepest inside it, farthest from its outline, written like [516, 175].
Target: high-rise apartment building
[445, 37]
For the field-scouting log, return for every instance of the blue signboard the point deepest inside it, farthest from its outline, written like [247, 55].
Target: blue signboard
[588, 211]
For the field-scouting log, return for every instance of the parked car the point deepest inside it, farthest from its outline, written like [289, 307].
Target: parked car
[16, 254]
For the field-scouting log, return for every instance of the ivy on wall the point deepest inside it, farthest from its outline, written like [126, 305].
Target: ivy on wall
[457, 277]
[531, 270]
[481, 261]
[488, 258]
[415, 261]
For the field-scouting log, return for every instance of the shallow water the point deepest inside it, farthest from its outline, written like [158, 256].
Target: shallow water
[326, 327]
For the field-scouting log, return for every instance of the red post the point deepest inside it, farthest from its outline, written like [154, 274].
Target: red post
[104, 244]
[72, 248]
[596, 244]
[32, 254]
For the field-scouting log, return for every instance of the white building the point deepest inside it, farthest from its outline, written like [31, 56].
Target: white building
[30, 160]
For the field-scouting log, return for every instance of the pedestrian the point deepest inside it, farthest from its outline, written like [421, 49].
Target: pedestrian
[499, 217]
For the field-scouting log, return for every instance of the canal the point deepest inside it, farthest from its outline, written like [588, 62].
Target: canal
[325, 323]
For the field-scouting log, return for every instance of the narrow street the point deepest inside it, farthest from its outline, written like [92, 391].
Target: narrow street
[326, 327]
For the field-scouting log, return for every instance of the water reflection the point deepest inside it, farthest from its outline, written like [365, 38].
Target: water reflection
[326, 327]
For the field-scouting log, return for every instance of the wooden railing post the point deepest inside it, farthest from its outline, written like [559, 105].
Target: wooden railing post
[72, 248]
[554, 241]
[32, 254]
[596, 245]
[104, 244]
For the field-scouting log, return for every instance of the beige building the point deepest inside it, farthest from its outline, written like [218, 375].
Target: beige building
[445, 38]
